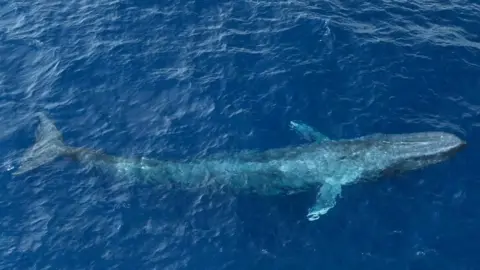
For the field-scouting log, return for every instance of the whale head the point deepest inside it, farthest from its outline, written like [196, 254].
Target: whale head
[407, 152]
[391, 154]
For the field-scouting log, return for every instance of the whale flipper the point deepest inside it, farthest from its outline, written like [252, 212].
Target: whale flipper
[326, 199]
[307, 132]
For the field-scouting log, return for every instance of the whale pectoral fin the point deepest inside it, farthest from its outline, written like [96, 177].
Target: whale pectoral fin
[326, 199]
[307, 132]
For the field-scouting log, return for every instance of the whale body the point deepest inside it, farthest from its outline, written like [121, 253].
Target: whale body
[322, 163]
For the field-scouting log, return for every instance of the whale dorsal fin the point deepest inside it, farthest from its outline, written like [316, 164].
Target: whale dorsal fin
[308, 132]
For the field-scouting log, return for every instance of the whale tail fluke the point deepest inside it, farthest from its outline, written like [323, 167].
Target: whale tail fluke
[48, 146]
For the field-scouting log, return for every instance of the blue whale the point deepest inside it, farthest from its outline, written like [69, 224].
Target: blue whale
[322, 163]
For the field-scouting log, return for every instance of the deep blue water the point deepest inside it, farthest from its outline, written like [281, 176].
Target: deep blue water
[177, 79]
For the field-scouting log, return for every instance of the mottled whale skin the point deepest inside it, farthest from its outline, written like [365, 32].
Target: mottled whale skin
[323, 163]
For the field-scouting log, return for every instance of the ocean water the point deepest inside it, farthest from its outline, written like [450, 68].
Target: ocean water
[182, 78]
